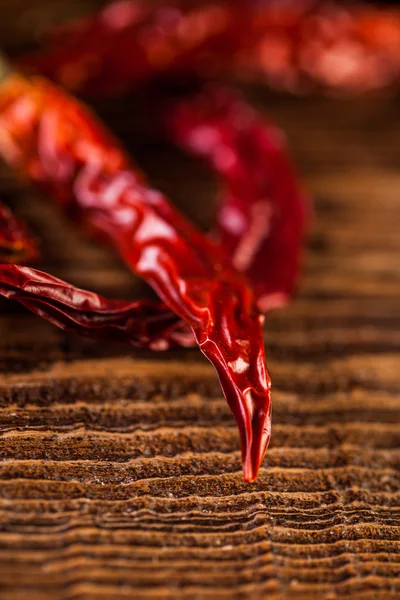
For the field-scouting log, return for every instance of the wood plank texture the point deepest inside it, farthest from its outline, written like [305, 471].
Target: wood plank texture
[120, 470]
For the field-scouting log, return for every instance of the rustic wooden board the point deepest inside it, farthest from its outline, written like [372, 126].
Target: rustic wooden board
[120, 471]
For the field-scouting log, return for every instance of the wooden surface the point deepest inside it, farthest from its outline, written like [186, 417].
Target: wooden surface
[120, 471]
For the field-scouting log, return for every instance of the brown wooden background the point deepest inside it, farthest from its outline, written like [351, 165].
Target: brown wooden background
[120, 471]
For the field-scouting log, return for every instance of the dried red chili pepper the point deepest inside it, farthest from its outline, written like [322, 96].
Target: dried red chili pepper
[17, 244]
[60, 146]
[261, 217]
[141, 324]
[296, 45]
[259, 184]
[324, 44]
[129, 42]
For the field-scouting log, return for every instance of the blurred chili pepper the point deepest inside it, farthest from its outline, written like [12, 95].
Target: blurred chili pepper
[17, 244]
[56, 143]
[327, 45]
[129, 42]
[295, 45]
[261, 217]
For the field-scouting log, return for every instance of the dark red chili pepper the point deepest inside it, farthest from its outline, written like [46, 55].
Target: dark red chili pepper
[260, 220]
[128, 42]
[17, 244]
[324, 44]
[296, 45]
[60, 146]
[141, 324]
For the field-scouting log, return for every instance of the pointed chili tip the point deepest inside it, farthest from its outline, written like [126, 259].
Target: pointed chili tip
[249, 474]
[257, 444]
[253, 459]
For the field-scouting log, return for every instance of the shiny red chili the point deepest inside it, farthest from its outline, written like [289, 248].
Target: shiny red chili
[141, 324]
[57, 144]
[294, 45]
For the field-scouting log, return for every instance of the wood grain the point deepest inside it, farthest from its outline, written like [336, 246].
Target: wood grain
[120, 471]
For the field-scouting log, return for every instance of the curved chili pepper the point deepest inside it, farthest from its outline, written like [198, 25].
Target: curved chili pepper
[57, 144]
[141, 324]
[295, 45]
[261, 217]
[219, 126]
[17, 244]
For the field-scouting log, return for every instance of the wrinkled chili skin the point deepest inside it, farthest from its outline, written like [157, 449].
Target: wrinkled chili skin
[140, 324]
[262, 211]
[292, 45]
[57, 144]
[17, 243]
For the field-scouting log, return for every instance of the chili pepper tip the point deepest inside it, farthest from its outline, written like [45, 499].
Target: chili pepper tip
[256, 443]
